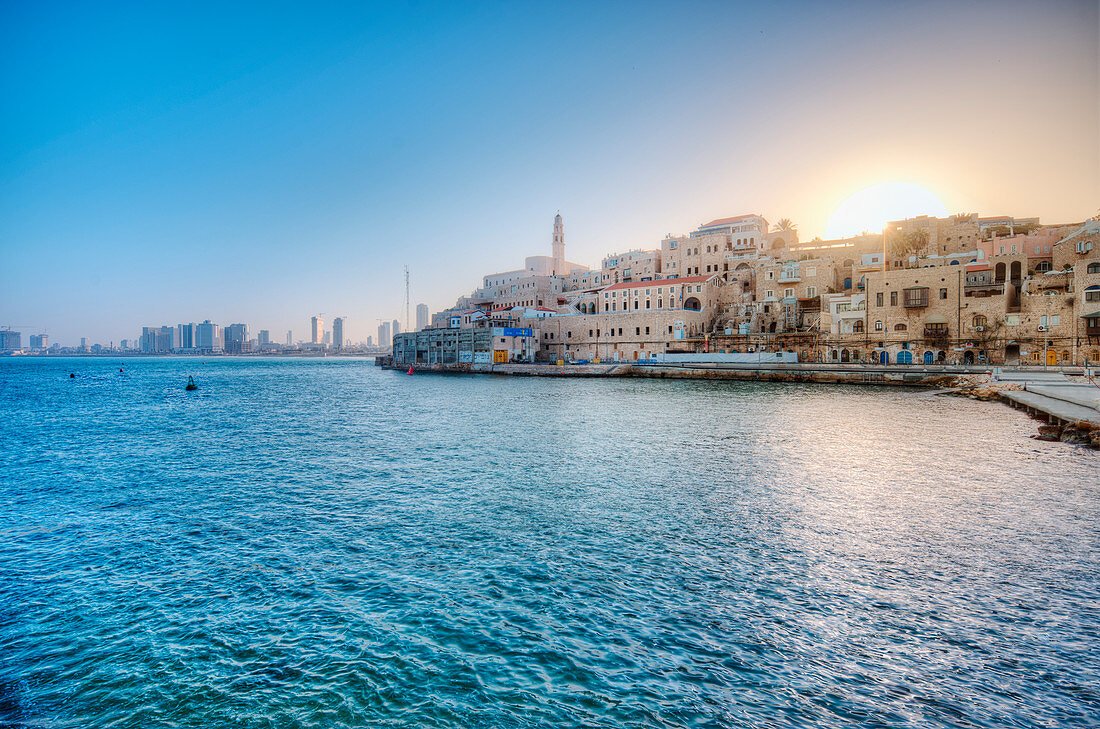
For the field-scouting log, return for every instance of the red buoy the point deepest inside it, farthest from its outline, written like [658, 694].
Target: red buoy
[410, 369]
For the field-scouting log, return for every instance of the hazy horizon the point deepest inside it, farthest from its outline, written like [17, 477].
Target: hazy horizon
[261, 165]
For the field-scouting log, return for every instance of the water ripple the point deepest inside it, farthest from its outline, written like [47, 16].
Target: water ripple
[321, 544]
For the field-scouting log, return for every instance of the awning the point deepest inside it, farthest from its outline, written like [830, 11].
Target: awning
[1093, 315]
[936, 319]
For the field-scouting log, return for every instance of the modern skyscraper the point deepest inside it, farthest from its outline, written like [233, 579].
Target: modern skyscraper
[10, 339]
[157, 340]
[318, 325]
[208, 336]
[338, 332]
[40, 341]
[384, 339]
[559, 247]
[289, 337]
[421, 316]
[370, 341]
[236, 338]
[185, 336]
[264, 337]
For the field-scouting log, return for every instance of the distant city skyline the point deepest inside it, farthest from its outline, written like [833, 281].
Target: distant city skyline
[168, 164]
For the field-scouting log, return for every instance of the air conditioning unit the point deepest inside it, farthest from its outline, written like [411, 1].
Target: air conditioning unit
[1042, 328]
[979, 329]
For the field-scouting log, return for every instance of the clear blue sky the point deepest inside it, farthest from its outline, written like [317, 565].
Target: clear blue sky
[260, 164]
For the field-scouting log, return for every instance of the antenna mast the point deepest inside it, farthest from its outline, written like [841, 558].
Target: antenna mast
[406, 298]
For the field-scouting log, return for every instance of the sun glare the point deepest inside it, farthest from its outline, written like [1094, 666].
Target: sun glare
[870, 209]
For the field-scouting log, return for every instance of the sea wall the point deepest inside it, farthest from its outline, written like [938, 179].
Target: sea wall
[843, 374]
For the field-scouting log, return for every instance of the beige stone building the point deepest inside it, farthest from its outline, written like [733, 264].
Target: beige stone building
[954, 234]
[619, 336]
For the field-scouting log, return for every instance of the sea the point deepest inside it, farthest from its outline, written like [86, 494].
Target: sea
[322, 543]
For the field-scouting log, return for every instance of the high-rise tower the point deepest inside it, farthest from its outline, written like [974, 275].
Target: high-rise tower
[559, 247]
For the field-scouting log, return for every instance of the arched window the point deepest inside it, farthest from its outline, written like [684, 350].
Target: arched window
[1092, 293]
[857, 327]
[878, 326]
[1065, 355]
[900, 328]
[1093, 268]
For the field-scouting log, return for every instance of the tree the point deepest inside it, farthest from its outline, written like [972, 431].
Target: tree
[911, 243]
[785, 224]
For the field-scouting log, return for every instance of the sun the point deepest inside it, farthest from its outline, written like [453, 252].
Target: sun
[872, 208]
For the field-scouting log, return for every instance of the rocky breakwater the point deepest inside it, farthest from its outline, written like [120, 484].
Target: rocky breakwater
[1079, 432]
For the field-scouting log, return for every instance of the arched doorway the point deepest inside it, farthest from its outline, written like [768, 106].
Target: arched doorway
[999, 273]
[929, 357]
[1012, 354]
[941, 357]
[844, 355]
[1052, 358]
[905, 357]
[692, 304]
[968, 357]
[1016, 272]
[884, 357]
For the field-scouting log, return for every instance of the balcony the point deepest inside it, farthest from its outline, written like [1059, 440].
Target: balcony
[936, 333]
[789, 277]
[916, 298]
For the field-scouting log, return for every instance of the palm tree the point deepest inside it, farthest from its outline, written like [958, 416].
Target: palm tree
[785, 224]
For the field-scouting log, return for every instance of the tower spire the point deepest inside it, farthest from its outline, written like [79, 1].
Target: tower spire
[559, 247]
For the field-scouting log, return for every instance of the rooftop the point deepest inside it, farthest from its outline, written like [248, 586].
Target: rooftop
[728, 221]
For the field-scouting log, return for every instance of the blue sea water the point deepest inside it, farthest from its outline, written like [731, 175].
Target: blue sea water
[319, 543]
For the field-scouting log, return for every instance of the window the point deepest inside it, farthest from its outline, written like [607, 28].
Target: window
[878, 326]
[1092, 293]
[637, 331]
[768, 294]
[878, 299]
[1093, 268]
[979, 320]
[900, 327]
[1055, 320]
[647, 330]
[893, 298]
[1012, 320]
[771, 275]
[787, 293]
[943, 293]
[811, 292]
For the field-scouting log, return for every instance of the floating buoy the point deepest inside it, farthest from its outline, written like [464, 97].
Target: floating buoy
[120, 369]
[191, 384]
[71, 375]
[410, 369]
